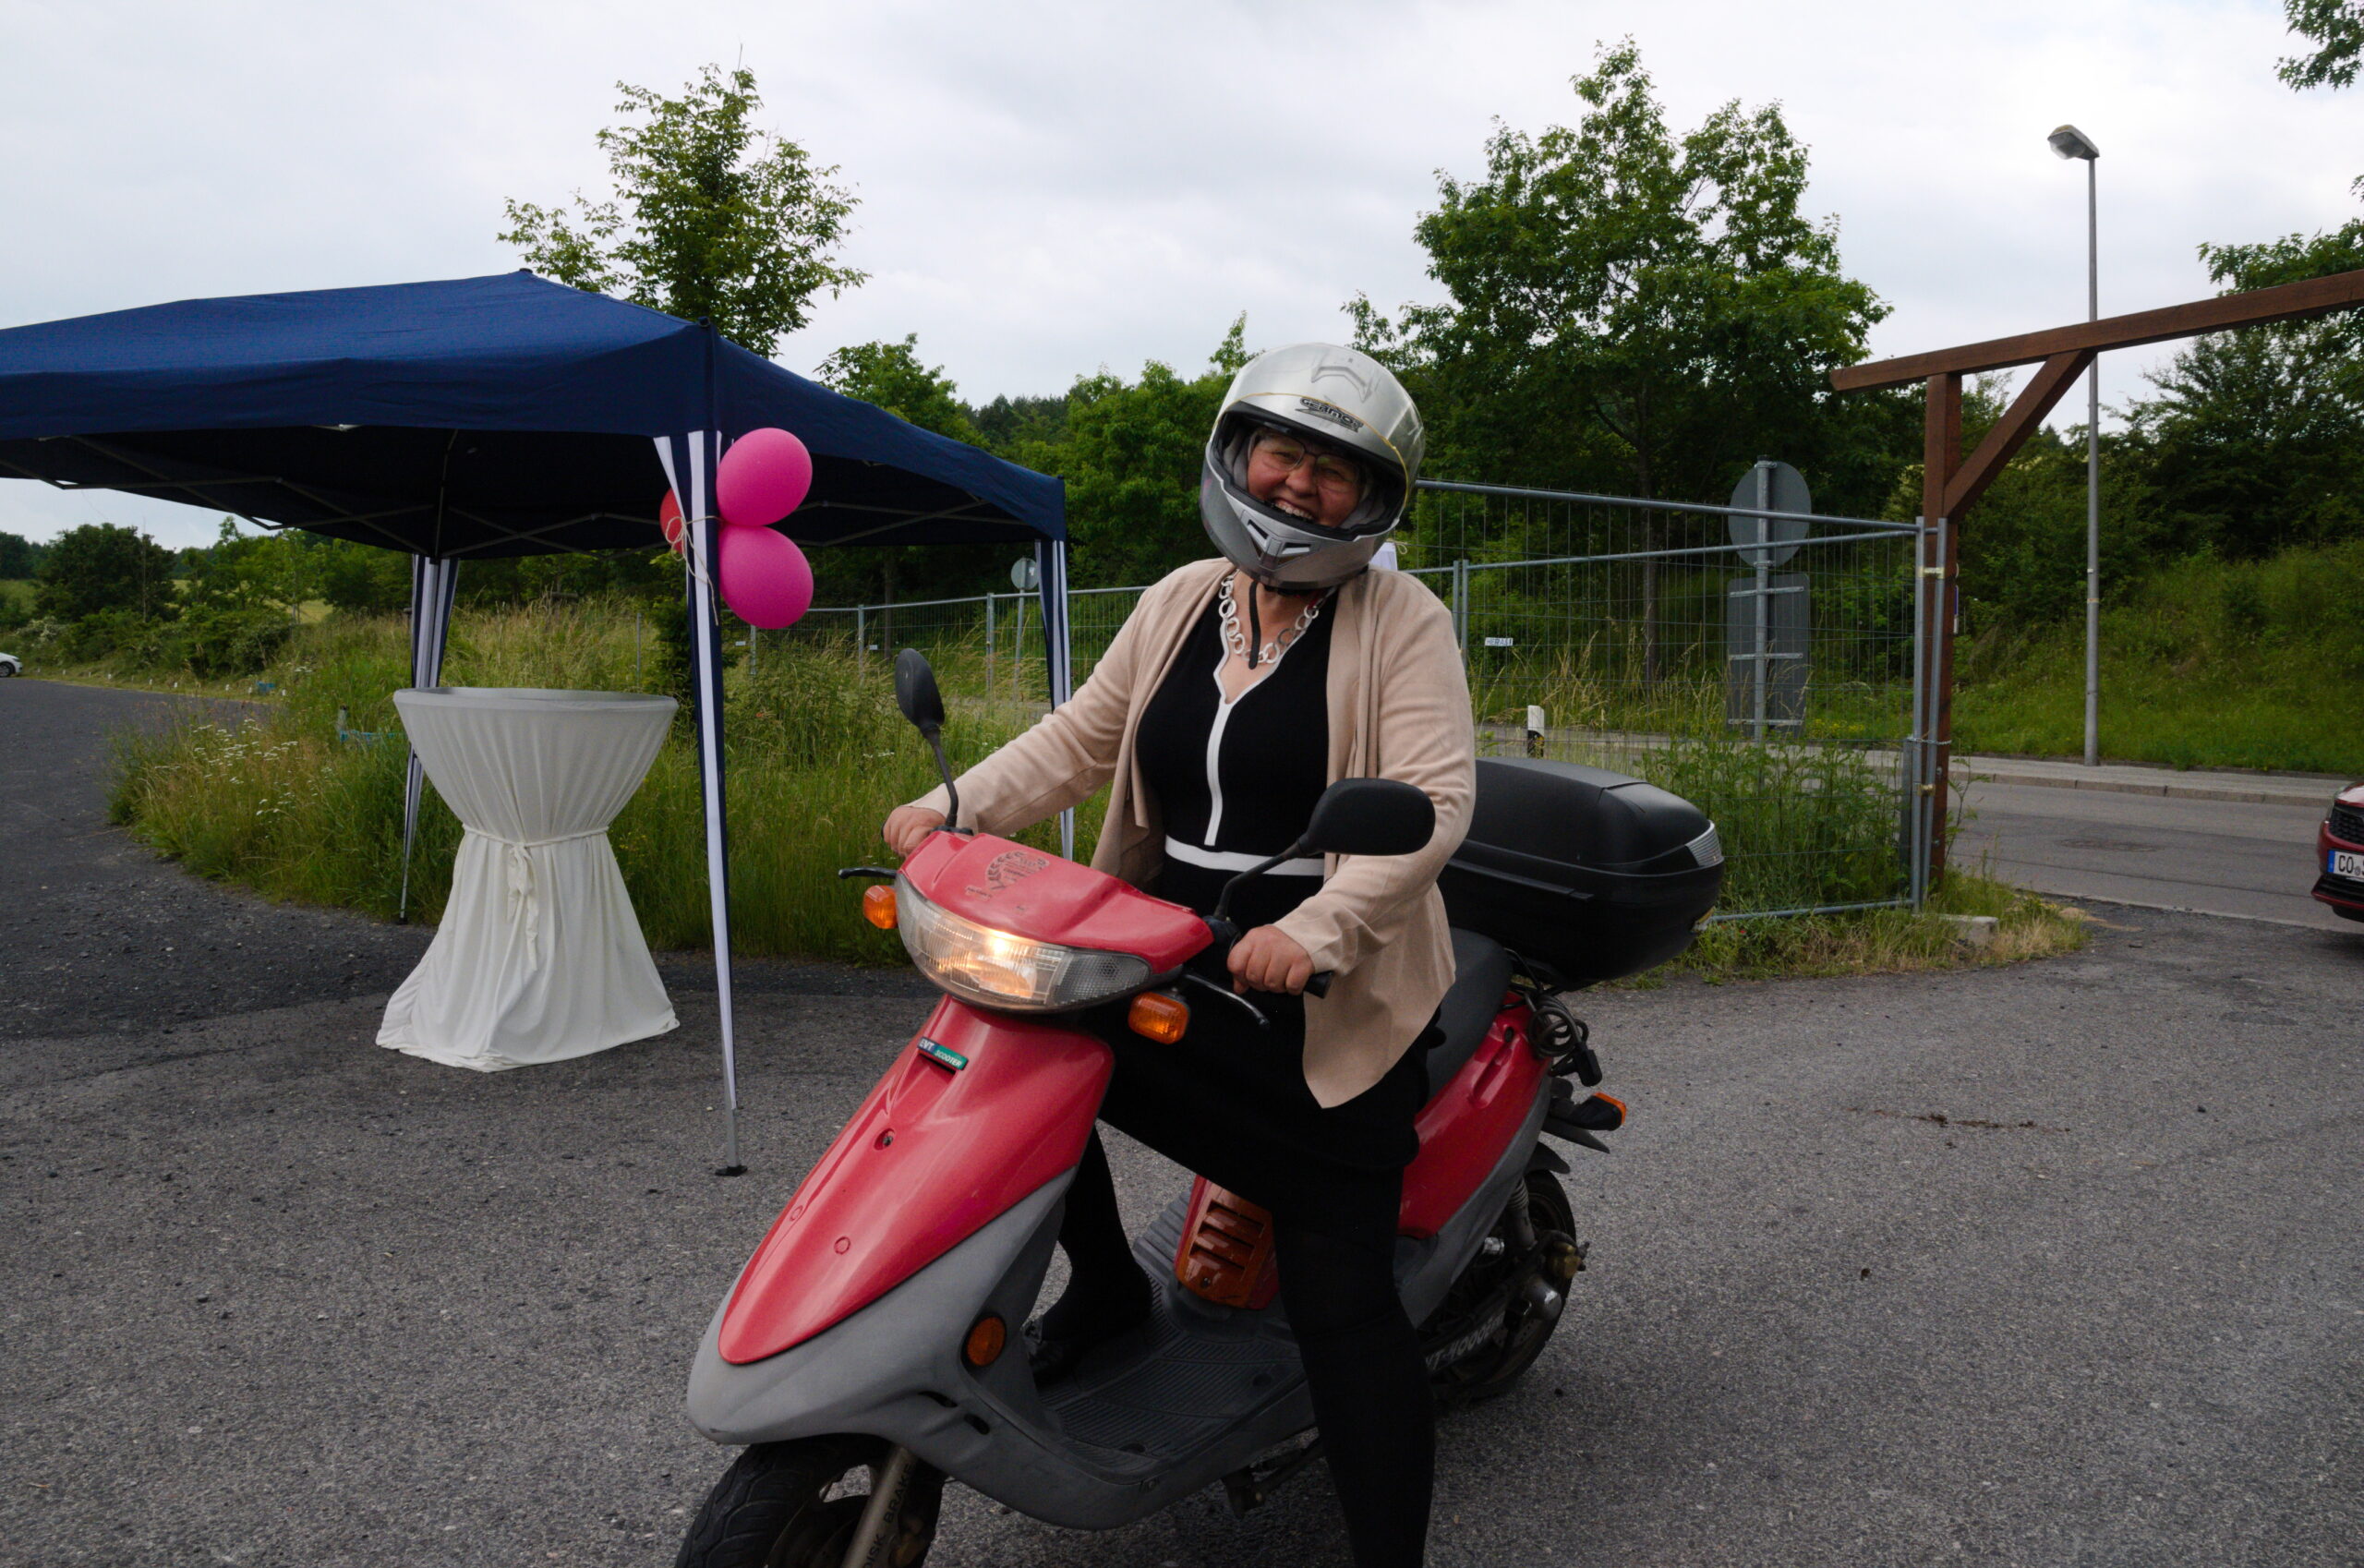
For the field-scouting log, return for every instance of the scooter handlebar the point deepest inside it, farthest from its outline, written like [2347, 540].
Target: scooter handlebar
[1319, 984]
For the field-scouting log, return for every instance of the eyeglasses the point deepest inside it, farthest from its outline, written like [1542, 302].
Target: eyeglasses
[1332, 471]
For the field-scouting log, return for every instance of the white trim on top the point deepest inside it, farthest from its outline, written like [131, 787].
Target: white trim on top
[1233, 859]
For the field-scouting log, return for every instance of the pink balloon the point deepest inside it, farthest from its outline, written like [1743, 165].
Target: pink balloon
[765, 578]
[763, 478]
[668, 517]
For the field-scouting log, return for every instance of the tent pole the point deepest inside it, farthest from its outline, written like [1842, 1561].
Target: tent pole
[1051, 573]
[690, 461]
[705, 638]
[431, 586]
[706, 642]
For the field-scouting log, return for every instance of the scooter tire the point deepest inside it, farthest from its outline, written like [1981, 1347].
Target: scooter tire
[772, 1509]
[1512, 1339]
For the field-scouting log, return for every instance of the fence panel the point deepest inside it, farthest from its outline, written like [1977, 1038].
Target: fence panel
[1773, 687]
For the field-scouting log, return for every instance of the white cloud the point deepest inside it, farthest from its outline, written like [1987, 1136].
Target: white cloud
[1051, 188]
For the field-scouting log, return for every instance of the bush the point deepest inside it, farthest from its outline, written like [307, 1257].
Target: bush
[1800, 826]
[123, 636]
[219, 642]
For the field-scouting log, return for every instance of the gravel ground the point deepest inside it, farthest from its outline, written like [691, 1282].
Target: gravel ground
[2045, 1265]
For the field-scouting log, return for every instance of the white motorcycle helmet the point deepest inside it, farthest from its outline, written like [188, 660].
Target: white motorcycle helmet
[1337, 399]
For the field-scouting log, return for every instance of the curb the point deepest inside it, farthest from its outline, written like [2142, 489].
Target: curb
[2292, 793]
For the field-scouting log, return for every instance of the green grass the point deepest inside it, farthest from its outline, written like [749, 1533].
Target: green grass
[1882, 941]
[2208, 665]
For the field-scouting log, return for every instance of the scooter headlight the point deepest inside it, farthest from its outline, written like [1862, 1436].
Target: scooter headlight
[998, 969]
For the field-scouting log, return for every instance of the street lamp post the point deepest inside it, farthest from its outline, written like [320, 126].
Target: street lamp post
[2070, 142]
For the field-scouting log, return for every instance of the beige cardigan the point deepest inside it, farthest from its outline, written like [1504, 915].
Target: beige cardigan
[1399, 708]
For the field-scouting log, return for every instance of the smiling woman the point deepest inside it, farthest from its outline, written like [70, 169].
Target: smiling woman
[1217, 739]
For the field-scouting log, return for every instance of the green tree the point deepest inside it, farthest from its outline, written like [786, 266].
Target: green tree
[1130, 455]
[711, 218]
[2336, 30]
[19, 557]
[104, 566]
[2256, 440]
[1007, 422]
[891, 376]
[1632, 309]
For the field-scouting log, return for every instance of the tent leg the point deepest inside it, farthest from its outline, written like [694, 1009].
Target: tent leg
[692, 457]
[1051, 568]
[706, 645]
[431, 586]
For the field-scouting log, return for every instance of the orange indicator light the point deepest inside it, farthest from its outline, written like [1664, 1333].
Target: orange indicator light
[1157, 1016]
[878, 906]
[988, 1337]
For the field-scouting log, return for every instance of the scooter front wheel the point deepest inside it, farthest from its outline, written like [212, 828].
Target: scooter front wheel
[794, 1505]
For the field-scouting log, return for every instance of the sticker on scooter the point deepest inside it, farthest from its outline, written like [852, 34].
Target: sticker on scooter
[942, 1055]
[1004, 869]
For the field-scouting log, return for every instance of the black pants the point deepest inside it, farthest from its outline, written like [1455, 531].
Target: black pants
[1233, 1108]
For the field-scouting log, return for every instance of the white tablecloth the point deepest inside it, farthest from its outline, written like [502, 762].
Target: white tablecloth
[539, 956]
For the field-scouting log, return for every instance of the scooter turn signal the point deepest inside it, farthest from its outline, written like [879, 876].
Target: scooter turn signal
[987, 1337]
[878, 906]
[1157, 1016]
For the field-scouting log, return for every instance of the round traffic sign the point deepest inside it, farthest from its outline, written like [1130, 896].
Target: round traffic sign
[1776, 486]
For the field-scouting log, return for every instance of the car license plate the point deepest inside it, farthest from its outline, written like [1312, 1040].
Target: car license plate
[2348, 863]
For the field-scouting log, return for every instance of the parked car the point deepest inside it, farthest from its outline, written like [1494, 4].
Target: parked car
[2339, 851]
[10, 665]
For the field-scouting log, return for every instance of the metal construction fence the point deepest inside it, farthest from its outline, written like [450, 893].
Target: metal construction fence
[1769, 666]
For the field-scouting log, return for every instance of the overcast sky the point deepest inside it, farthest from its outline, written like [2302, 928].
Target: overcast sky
[1049, 189]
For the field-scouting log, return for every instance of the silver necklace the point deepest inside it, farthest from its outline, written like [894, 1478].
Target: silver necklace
[1234, 640]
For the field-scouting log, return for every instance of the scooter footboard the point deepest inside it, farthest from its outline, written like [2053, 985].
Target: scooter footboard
[978, 1112]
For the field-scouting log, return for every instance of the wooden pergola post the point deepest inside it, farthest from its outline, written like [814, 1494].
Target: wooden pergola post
[1951, 483]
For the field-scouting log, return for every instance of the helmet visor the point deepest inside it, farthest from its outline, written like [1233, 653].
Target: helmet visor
[1351, 493]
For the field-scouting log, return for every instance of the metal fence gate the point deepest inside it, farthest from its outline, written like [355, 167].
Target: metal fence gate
[1768, 666]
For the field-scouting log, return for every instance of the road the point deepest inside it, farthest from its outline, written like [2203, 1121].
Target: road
[2044, 1265]
[2247, 858]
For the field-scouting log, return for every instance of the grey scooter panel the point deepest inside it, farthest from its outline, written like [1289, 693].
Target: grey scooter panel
[1201, 1390]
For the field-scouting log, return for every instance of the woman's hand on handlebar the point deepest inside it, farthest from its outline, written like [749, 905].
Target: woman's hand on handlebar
[1269, 960]
[907, 827]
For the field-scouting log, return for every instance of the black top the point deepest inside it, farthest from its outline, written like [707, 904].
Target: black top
[1237, 781]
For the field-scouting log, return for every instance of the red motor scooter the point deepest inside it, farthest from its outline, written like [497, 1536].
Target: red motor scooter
[871, 1348]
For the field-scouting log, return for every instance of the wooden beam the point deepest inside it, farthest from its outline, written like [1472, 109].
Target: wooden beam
[2284, 302]
[2011, 432]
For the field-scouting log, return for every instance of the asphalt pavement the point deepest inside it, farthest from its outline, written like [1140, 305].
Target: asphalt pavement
[2051, 1264]
[2252, 859]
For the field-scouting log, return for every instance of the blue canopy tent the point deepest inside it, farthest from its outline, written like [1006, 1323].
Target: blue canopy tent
[481, 418]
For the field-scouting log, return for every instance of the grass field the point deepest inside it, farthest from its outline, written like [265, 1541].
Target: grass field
[2210, 665]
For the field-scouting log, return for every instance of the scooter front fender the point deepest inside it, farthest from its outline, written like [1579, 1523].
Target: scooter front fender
[977, 1113]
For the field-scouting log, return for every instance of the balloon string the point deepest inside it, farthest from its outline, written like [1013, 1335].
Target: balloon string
[694, 559]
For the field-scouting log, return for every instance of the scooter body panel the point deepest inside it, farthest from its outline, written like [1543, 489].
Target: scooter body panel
[936, 1154]
[1464, 1128]
[1203, 1391]
[1005, 885]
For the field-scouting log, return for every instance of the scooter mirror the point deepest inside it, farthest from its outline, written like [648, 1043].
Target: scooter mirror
[1370, 816]
[915, 692]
